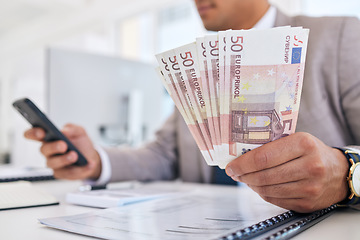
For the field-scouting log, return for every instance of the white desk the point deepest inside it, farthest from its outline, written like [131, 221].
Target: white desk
[24, 224]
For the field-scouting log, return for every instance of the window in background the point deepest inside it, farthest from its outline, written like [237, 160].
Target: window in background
[140, 37]
[136, 36]
[178, 25]
[331, 7]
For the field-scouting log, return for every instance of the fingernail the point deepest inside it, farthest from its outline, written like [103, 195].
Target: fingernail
[70, 157]
[59, 147]
[236, 179]
[66, 129]
[38, 134]
[229, 171]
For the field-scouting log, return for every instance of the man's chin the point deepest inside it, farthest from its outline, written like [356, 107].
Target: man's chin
[213, 27]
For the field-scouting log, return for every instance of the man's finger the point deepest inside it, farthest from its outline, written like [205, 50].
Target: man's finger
[284, 173]
[62, 161]
[72, 130]
[35, 134]
[73, 172]
[298, 189]
[272, 154]
[52, 148]
[301, 205]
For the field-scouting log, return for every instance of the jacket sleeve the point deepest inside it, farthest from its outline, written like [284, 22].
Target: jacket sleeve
[156, 160]
[349, 75]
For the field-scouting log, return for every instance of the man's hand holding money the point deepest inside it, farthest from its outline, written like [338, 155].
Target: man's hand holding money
[297, 172]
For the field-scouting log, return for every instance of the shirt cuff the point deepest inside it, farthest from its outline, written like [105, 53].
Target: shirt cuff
[354, 148]
[105, 174]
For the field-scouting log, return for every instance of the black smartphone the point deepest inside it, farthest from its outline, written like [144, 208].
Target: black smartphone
[38, 119]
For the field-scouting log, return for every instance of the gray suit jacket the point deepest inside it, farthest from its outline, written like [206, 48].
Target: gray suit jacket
[329, 109]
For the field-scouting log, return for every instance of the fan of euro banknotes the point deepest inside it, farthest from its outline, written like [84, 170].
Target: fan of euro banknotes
[237, 90]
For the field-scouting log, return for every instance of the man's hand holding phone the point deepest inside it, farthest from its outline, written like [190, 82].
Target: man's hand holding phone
[62, 161]
[70, 153]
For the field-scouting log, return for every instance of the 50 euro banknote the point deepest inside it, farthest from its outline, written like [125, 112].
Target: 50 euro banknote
[189, 104]
[250, 83]
[263, 81]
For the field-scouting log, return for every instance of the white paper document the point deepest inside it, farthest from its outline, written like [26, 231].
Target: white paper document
[115, 197]
[199, 214]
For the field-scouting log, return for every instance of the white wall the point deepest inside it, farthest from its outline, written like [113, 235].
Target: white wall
[26, 80]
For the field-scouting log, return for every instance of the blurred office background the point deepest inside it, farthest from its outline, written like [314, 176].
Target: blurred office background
[91, 62]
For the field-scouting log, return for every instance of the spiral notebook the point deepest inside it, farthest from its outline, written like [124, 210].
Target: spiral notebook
[277, 227]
